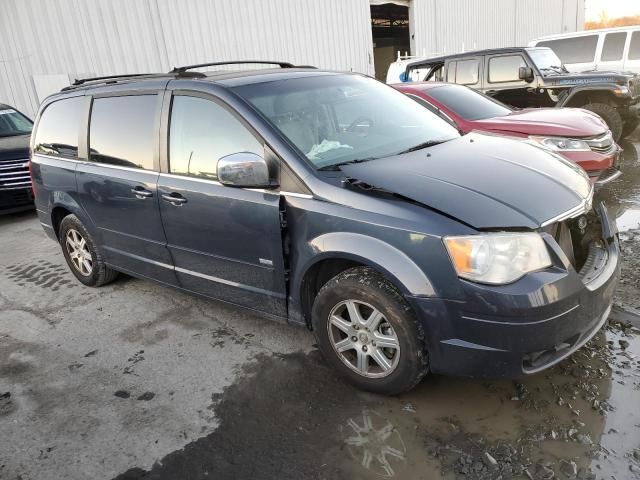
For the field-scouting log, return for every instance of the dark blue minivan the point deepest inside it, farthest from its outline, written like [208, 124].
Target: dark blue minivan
[333, 201]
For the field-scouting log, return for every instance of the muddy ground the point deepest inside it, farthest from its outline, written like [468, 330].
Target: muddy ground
[135, 381]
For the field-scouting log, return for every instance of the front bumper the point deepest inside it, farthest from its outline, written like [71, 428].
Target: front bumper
[16, 200]
[602, 168]
[525, 327]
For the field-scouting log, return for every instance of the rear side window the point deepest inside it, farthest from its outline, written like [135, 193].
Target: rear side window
[505, 69]
[201, 132]
[451, 72]
[467, 72]
[468, 103]
[634, 48]
[573, 50]
[57, 133]
[123, 130]
[613, 46]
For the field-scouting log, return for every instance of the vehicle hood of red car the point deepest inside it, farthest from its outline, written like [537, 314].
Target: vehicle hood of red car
[557, 122]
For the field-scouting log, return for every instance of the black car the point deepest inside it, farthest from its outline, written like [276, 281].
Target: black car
[15, 184]
[535, 77]
[333, 201]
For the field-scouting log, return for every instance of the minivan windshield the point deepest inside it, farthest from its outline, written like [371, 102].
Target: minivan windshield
[335, 119]
[13, 123]
[547, 61]
[467, 103]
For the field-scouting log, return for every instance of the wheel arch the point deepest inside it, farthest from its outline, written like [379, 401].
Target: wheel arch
[580, 96]
[62, 204]
[337, 252]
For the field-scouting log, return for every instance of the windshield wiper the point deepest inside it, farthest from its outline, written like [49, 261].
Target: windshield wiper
[555, 68]
[336, 166]
[422, 145]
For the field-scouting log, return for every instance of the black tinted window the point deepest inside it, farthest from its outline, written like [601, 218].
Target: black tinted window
[634, 48]
[13, 123]
[613, 46]
[202, 132]
[573, 50]
[467, 72]
[57, 132]
[505, 69]
[467, 103]
[123, 130]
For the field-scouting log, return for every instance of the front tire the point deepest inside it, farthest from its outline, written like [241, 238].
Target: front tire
[83, 257]
[366, 331]
[610, 115]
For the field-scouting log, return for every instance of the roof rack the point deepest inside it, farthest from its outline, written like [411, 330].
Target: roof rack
[81, 81]
[236, 62]
[78, 82]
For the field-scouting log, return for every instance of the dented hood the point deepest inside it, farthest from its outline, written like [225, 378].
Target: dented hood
[482, 180]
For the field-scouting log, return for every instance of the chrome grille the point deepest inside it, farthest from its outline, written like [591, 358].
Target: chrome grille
[634, 87]
[14, 174]
[601, 144]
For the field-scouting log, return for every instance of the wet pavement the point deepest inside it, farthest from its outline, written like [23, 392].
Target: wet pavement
[244, 398]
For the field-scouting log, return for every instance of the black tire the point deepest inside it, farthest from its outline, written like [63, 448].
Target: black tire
[610, 115]
[371, 289]
[100, 274]
[630, 126]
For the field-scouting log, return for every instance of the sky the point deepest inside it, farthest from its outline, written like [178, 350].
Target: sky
[614, 8]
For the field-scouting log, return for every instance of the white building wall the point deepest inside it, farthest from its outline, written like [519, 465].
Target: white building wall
[440, 27]
[44, 44]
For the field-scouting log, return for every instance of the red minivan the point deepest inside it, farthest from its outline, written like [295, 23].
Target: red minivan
[578, 135]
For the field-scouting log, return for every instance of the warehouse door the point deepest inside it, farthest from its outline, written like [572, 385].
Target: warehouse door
[390, 29]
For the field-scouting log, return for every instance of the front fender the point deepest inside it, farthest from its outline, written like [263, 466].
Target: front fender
[572, 92]
[390, 261]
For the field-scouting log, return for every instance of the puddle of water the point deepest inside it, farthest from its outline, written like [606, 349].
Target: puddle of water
[582, 414]
[622, 196]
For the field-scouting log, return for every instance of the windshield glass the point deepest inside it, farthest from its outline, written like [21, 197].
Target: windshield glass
[546, 60]
[13, 123]
[467, 103]
[333, 119]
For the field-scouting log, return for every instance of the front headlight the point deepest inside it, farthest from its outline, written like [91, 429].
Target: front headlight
[559, 144]
[497, 258]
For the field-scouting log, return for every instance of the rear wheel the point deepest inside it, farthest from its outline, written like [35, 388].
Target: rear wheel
[366, 330]
[84, 259]
[610, 115]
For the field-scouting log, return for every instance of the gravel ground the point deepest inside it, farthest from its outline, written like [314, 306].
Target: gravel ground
[136, 381]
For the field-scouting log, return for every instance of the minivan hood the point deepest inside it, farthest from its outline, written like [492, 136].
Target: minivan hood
[557, 122]
[486, 181]
[14, 147]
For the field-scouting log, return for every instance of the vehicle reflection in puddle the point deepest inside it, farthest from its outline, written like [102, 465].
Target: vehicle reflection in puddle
[622, 196]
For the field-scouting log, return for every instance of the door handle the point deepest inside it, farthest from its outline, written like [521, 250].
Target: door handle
[174, 198]
[491, 92]
[141, 192]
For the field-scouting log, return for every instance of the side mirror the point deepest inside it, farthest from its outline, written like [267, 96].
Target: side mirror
[244, 169]
[525, 73]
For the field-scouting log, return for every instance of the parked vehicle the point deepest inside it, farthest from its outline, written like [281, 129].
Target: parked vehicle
[604, 49]
[15, 184]
[535, 77]
[333, 201]
[577, 135]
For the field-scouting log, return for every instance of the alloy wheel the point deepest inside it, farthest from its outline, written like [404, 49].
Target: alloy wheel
[363, 339]
[79, 253]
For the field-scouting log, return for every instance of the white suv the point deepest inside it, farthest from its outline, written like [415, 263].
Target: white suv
[604, 49]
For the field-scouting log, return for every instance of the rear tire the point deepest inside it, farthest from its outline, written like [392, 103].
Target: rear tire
[83, 257]
[610, 115]
[381, 352]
